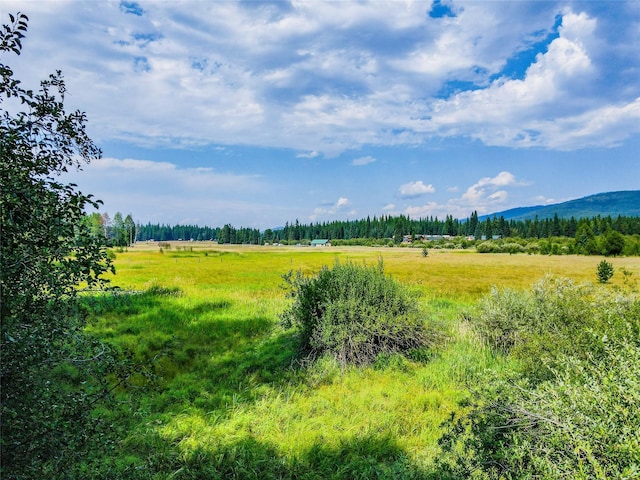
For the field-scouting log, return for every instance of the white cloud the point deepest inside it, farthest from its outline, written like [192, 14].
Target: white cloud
[509, 112]
[332, 209]
[602, 127]
[477, 192]
[342, 202]
[486, 195]
[325, 77]
[426, 210]
[360, 161]
[415, 189]
[499, 197]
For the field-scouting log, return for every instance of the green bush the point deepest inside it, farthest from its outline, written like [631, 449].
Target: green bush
[572, 412]
[583, 423]
[554, 316]
[353, 313]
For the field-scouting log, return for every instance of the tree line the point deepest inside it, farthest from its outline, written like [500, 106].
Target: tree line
[387, 227]
[226, 234]
[396, 227]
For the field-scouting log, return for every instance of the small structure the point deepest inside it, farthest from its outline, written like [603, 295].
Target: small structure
[320, 243]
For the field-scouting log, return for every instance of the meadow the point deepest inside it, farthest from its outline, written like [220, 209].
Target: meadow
[223, 393]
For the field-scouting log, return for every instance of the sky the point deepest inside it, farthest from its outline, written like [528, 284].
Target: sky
[258, 113]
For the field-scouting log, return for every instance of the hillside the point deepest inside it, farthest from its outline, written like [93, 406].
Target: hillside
[625, 203]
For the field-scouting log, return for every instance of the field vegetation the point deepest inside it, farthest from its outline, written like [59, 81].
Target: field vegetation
[225, 394]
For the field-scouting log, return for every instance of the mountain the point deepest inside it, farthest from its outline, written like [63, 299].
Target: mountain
[625, 203]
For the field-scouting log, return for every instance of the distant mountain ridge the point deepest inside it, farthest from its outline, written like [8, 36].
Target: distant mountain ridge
[625, 203]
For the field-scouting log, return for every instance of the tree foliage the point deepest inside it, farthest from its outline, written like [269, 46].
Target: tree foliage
[46, 252]
[612, 243]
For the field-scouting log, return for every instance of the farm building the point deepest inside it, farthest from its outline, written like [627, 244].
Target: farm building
[320, 243]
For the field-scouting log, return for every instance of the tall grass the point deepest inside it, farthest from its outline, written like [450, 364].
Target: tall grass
[230, 399]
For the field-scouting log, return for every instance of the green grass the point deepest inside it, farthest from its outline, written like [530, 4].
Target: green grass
[230, 397]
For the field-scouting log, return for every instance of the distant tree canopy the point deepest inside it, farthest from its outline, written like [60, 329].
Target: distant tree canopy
[395, 228]
[226, 234]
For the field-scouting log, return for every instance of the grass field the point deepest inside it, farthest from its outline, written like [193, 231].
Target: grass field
[232, 400]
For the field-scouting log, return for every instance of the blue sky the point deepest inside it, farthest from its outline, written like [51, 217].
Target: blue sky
[257, 113]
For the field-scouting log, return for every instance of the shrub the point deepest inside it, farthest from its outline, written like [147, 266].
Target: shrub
[512, 247]
[582, 420]
[532, 248]
[555, 316]
[485, 247]
[353, 313]
[583, 423]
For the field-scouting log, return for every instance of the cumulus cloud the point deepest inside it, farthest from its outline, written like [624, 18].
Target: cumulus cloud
[330, 210]
[541, 199]
[415, 189]
[327, 77]
[484, 196]
[342, 202]
[553, 106]
[426, 210]
[477, 192]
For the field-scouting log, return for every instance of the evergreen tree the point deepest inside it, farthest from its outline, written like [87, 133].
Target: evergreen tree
[585, 240]
[555, 226]
[488, 228]
[473, 223]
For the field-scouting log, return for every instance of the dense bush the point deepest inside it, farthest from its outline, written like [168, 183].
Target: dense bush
[577, 420]
[353, 313]
[555, 316]
[500, 247]
[583, 423]
[551, 246]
